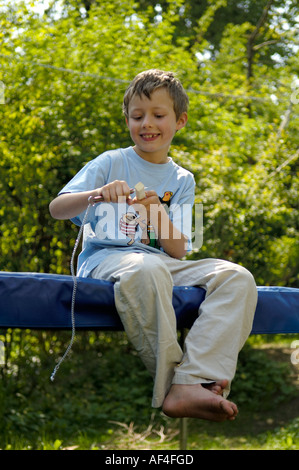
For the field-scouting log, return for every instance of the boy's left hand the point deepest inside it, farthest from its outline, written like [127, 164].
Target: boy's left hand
[150, 199]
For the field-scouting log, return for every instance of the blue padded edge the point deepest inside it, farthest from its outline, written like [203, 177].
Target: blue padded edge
[43, 301]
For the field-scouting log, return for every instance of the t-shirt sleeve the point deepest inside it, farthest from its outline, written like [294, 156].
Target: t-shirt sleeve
[180, 210]
[93, 175]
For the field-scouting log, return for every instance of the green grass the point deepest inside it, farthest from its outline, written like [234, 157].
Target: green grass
[205, 438]
[101, 396]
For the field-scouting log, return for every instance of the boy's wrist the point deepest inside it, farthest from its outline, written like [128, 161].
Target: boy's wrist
[95, 192]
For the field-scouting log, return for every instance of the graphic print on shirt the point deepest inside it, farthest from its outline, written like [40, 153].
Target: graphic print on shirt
[130, 222]
[165, 200]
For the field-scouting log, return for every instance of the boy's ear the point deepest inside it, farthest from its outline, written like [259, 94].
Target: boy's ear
[182, 121]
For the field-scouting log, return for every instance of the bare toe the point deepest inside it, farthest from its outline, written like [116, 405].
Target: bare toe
[196, 401]
[216, 387]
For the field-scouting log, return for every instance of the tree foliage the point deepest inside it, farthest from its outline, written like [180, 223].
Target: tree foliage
[64, 72]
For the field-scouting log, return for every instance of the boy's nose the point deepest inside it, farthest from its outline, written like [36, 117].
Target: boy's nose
[146, 121]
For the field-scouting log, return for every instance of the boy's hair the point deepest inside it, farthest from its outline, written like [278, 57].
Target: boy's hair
[150, 80]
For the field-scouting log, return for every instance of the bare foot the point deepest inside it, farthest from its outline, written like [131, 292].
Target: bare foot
[216, 387]
[196, 401]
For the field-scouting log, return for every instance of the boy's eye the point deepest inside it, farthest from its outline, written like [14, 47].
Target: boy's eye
[138, 118]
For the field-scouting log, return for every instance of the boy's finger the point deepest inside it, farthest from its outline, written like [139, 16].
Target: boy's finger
[126, 189]
[150, 193]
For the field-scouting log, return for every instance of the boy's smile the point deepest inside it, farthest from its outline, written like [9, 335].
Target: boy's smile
[149, 137]
[153, 124]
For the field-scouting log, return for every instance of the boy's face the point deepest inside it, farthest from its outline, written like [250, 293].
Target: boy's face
[153, 124]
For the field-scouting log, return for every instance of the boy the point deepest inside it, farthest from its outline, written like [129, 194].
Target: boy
[138, 245]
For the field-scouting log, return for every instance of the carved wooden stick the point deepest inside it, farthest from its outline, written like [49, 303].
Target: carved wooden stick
[139, 191]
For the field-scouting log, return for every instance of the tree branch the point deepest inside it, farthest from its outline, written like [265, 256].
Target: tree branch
[261, 21]
[252, 37]
[266, 43]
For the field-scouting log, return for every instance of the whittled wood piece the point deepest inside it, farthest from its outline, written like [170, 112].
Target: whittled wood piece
[139, 191]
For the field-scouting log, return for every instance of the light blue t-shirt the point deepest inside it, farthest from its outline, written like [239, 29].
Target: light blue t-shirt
[112, 227]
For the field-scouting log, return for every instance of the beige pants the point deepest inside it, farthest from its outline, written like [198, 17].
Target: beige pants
[143, 296]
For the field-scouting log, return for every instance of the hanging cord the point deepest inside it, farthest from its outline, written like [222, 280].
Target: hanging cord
[91, 202]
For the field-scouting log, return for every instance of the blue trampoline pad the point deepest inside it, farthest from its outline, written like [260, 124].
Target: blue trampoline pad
[43, 301]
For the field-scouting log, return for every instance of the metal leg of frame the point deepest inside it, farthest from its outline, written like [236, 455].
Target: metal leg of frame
[183, 421]
[183, 433]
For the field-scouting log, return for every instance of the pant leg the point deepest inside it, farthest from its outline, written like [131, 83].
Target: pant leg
[143, 298]
[224, 322]
[143, 288]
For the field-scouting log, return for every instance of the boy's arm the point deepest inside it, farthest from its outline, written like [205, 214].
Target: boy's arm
[69, 205]
[173, 242]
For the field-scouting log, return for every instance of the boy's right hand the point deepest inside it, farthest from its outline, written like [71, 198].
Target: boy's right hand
[69, 205]
[112, 191]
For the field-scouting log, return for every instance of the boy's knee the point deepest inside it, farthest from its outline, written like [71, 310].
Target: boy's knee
[246, 276]
[238, 274]
[245, 280]
[156, 271]
[148, 269]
